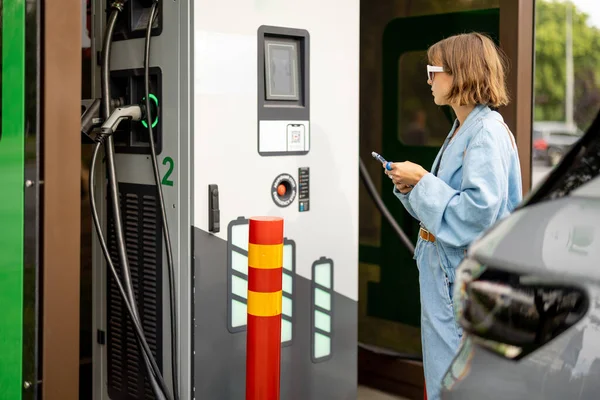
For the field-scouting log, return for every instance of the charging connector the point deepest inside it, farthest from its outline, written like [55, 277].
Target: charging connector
[133, 113]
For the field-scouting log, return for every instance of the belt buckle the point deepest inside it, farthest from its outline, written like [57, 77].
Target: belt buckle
[428, 234]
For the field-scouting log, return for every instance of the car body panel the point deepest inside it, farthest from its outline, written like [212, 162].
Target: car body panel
[557, 239]
[540, 240]
[559, 370]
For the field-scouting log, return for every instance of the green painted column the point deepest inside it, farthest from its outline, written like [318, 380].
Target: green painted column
[12, 120]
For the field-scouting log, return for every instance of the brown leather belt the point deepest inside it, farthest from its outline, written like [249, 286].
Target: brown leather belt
[426, 235]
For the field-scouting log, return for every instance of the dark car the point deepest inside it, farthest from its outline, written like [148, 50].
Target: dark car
[551, 140]
[528, 293]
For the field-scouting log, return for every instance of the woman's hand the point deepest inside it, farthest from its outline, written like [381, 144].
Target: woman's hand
[402, 188]
[405, 175]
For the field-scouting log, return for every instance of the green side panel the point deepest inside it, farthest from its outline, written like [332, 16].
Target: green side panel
[12, 198]
[405, 93]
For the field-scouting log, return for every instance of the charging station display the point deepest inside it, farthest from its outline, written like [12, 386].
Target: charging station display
[283, 92]
[281, 69]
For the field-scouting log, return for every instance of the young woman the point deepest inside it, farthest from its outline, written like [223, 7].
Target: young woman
[475, 181]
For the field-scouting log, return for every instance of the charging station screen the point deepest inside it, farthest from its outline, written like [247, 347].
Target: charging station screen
[281, 70]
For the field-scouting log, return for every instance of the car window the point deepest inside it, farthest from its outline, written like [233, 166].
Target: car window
[563, 133]
[580, 165]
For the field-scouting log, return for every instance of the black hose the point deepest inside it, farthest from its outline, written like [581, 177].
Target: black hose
[364, 174]
[165, 225]
[110, 151]
[390, 353]
[366, 178]
[136, 323]
[110, 158]
[151, 366]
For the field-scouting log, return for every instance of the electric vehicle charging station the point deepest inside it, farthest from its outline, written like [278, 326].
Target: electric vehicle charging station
[296, 128]
[255, 113]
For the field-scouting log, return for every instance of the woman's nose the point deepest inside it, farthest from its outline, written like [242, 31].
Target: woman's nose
[429, 82]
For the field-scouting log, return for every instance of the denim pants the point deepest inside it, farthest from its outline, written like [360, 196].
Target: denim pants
[440, 333]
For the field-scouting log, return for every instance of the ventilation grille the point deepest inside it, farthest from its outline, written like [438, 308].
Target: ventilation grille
[142, 231]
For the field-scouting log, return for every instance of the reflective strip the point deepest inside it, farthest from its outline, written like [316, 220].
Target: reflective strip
[264, 304]
[265, 256]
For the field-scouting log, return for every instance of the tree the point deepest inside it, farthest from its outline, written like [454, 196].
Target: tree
[550, 64]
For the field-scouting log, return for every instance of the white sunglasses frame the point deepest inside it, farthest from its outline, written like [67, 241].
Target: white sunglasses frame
[431, 69]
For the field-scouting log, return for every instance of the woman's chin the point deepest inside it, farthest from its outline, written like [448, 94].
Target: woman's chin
[439, 102]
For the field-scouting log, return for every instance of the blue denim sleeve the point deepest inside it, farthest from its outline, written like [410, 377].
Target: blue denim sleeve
[457, 217]
[404, 199]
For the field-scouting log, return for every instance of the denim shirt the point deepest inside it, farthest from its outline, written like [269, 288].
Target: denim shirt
[478, 182]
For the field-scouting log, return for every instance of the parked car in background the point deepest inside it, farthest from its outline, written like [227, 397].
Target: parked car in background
[552, 139]
[528, 293]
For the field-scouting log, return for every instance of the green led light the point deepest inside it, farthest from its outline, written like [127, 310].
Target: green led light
[322, 299]
[322, 345]
[239, 262]
[239, 236]
[286, 306]
[287, 283]
[323, 275]
[322, 321]
[287, 257]
[239, 314]
[286, 331]
[239, 286]
[152, 97]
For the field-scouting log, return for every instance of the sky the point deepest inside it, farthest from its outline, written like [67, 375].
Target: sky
[590, 7]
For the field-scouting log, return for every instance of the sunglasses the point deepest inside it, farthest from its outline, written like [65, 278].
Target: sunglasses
[431, 70]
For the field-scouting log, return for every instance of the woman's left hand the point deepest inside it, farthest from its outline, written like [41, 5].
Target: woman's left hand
[406, 173]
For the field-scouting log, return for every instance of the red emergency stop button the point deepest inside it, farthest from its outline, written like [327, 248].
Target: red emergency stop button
[281, 190]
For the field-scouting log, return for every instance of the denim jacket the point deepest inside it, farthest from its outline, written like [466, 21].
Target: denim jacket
[478, 182]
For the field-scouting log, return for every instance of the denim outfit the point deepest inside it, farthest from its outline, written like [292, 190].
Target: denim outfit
[476, 181]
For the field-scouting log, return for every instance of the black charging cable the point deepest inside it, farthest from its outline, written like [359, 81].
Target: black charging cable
[368, 182]
[136, 323]
[165, 225]
[157, 382]
[372, 190]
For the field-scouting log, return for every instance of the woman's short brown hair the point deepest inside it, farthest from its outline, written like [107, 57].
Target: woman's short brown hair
[478, 68]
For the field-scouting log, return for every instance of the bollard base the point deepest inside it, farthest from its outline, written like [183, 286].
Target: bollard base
[263, 355]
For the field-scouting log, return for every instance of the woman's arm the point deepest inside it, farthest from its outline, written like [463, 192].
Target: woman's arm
[457, 217]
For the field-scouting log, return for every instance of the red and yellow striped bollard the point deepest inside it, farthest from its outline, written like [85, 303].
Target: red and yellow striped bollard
[263, 341]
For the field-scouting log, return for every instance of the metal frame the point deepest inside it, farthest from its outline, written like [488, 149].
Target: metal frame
[61, 198]
[32, 333]
[517, 38]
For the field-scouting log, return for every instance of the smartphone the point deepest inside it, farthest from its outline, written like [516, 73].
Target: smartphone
[388, 165]
[378, 157]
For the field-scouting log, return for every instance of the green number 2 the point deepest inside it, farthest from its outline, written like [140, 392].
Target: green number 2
[166, 181]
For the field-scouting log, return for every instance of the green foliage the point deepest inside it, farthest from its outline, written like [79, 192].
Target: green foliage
[550, 64]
